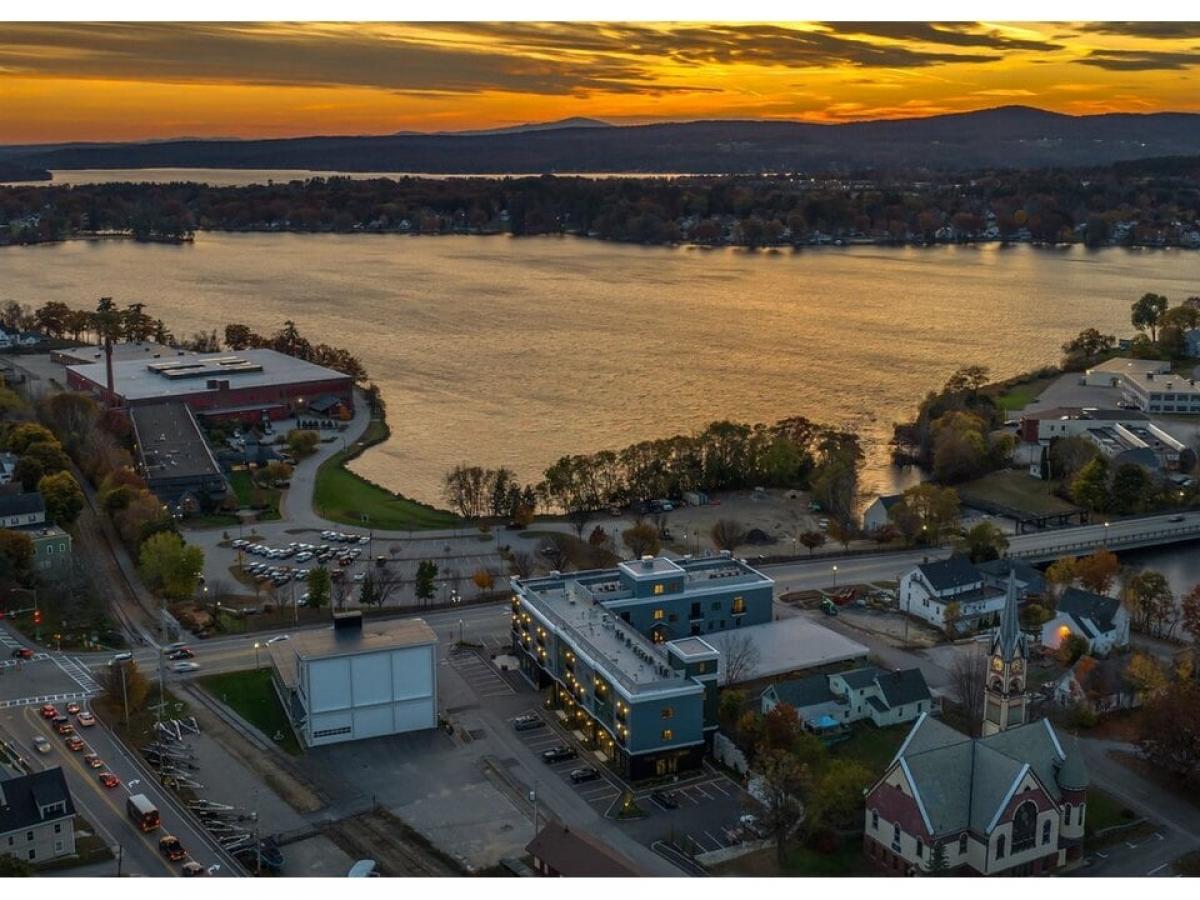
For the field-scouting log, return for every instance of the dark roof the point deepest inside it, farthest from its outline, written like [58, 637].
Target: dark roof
[878, 704]
[325, 402]
[804, 691]
[1081, 604]
[1010, 640]
[857, 679]
[903, 687]
[21, 504]
[575, 854]
[955, 572]
[997, 569]
[170, 443]
[890, 500]
[1073, 774]
[25, 796]
[1100, 678]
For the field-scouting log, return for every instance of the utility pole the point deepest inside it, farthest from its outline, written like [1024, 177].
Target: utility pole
[124, 695]
[120, 858]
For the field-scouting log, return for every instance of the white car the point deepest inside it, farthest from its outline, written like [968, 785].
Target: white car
[278, 638]
[40, 744]
[364, 540]
[360, 578]
[185, 667]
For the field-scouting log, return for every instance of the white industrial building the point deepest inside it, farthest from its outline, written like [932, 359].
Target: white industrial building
[358, 680]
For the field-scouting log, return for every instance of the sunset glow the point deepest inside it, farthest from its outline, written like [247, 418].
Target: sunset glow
[70, 81]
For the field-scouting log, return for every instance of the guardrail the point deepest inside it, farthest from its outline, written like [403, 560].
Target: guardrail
[1172, 535]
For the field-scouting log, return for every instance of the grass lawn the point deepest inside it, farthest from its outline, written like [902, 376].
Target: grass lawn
[251, 695]
[245, 489]
[1015, 490]
[1019, 396]
[871, 746]
[342, 496]
[1104, 811]
[847, 861]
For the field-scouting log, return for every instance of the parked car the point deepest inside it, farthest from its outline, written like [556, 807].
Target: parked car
[86, 719]
[40, 744]
[277, 639]
[558, 754]
[193, 869]
[665, 799]
[169, 846]
[109, 780]
[587, 773]
[1178, 517]
[527, 723]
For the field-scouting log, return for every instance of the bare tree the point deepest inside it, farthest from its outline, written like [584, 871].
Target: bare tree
[728, 534]
[968, 676]
[739, 654]
[520, 563]
[388, 582]
[339, 592]
[555, 553]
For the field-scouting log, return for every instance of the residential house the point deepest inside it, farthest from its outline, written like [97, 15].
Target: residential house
[559, 852]
[37, 817]
[8, 465]
[877, 514]
[1097, 684]
[52, 551]
[928, 589]
[1102, 621]
[828, 703]
[1030, 582]
[20, 510]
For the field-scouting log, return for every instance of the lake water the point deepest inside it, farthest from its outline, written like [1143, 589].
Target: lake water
[494, 350]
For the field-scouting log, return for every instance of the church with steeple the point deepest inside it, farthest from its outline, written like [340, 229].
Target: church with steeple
[1010, 802]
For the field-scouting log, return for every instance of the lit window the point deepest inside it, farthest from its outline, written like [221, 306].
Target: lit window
[667, 712]
[659, 588]
[739, 605]
[667, 734]
[659, 615]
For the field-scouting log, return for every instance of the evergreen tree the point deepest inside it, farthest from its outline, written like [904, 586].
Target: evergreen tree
[937, 860]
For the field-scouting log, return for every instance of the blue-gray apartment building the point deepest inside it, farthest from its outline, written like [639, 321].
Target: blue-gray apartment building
[622, 656]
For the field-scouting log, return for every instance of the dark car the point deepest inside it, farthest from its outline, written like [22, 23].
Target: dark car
[558, 754]
[665, 799]
[181, 653]
[527, 723]
[22, 653]
[587, 773]
[170, 847]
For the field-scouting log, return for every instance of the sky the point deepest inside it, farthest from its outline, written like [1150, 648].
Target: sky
[136, 81]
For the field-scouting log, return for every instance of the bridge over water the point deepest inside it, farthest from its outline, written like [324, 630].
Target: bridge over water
[1124, 534]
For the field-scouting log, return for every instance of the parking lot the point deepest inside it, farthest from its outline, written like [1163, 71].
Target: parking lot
[602, 792]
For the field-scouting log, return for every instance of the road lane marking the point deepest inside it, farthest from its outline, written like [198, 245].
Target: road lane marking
[1157, 869]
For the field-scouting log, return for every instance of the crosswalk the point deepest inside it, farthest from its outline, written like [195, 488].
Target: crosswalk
[8, 640]
[45, 698]
[16, 663]
[78, 672]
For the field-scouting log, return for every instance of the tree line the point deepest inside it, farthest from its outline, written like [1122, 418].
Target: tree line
[1095, 205]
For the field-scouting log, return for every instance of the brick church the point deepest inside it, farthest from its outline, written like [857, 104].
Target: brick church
[1011, 802]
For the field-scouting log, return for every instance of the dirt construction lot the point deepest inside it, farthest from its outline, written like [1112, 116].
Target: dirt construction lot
[782, 515]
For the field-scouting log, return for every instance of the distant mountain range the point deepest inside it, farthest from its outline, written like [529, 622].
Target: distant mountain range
[1011, 136]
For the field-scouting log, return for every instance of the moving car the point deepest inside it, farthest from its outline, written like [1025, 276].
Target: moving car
[558, 754]
[109, 780]
[73, 708]
[62, 725]
[527, 723]
[93, 760]
[665, 799]
[86, 719]
[124, 656]
[277, 639]
[40, 744]
[193, 869]
[75, 742]
[22, 653]
[587, 773]
[169, 846]
[49, 711]
[185, 667]
[181, 653]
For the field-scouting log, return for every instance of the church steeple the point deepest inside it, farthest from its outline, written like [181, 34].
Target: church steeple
[1004, 690]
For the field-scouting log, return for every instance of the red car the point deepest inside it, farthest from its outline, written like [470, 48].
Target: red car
[93, 760]
[49, 712]
[109, 780]
[22, 653]
[75, 742]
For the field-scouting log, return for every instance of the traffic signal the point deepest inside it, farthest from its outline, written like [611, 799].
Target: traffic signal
[37, 617]
[2, 615]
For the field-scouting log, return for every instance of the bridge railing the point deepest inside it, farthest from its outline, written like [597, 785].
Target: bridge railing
[1110, 541]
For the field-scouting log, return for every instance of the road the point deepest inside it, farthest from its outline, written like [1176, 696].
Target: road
[105, 808]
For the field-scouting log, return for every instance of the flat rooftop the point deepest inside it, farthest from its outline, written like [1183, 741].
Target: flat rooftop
[607, 586]
[122, 352]
[170, 443]
[328, 642]
[790, 645]
[1088, 414]
[188, 373]
[1122, 365]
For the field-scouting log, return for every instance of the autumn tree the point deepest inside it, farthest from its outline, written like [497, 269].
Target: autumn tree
[926, 513]
[1146, 675]
[1071, 649]
[842, 532]
[170, 566]
[1146, 313]
[124, 682]
[16, 557]
[1170, 730]
[781, 727]
[1150, 602]
[836, 798]
[1060, 575]
[484, 579]
[302, 442]
[812, 540]
[1189, 609]
[1089, 487]
[983, 542]
[642, 540]
[63, 498]
[1097, 572]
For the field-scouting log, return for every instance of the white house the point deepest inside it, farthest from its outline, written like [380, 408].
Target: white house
[355, 681]
[927, 589]
[8, 465]
[877, 514]
[1102, 621]
[1098, 684]
[828, 702]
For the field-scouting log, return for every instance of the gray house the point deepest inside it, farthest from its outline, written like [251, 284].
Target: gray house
[827, 703]
[37, 817]
[878, 513]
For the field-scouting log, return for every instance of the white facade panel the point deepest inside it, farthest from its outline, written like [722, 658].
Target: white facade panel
[373, 721]
[412, 673]
[415, 714]
[329, 684]
[371, 678]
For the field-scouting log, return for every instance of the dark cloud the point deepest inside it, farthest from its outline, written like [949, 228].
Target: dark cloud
[293, 56]
[1139, 60]
[951, 34]
[1153, 30]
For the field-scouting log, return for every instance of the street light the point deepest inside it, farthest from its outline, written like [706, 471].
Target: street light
[1106, 534]
[461, 625]
[835, 577]
[256, 646]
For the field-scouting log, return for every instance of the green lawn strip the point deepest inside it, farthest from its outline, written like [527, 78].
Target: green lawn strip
[1019, 396]
[1105, 811]
[251, 695]
[1015, 490]
[342, 496]
[871, 746]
